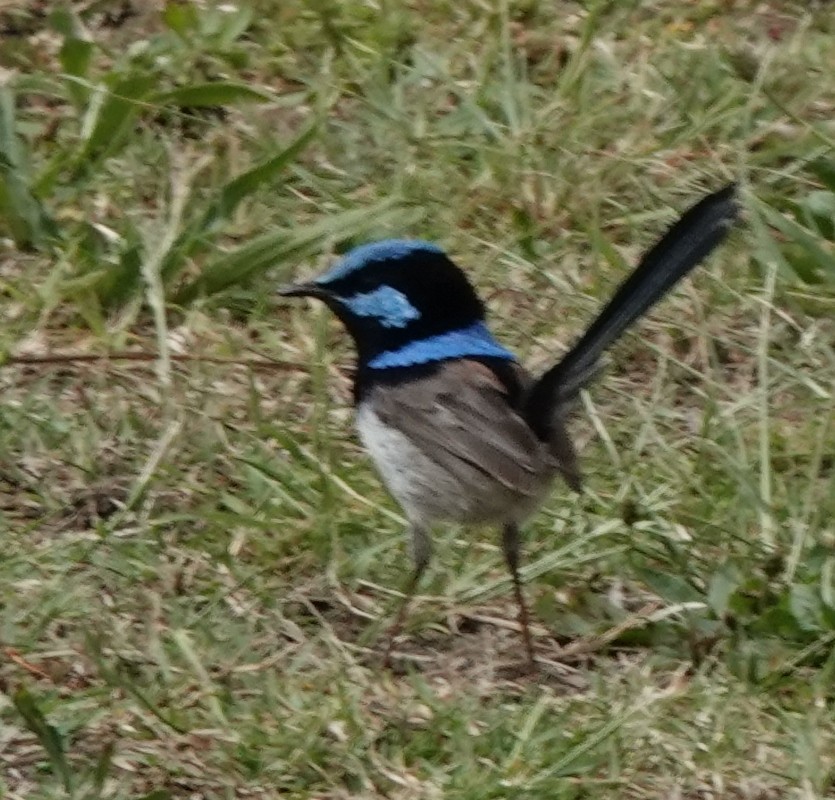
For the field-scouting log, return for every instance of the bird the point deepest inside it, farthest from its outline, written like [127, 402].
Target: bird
[459, 431]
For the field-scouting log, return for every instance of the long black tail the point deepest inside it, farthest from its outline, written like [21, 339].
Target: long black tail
[683, 246]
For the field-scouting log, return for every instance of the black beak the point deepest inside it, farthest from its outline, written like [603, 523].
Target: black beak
[303, 290]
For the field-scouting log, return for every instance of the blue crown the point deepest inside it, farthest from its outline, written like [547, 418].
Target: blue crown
[374, 252]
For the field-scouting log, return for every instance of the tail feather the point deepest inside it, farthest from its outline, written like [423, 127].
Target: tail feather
[688, 242]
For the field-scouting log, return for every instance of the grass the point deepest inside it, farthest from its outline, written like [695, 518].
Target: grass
[196, 556]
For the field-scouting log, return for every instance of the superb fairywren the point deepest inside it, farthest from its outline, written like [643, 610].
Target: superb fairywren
[458, 430]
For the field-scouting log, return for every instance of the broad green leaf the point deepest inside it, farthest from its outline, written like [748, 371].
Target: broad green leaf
[811, 252]
[11, 147]
[21, 212]
[828, 582]
[671, 588]
[122, 281]
[217, 93]
[802, 263]
[75, 58]
[76, 51]
[828, 617]
[223, 25]
[778, 620]
[110, 119]
[180, 17]
[805, 605]
[65, 21]
[723, 583]
[233, 23]
[824, 169]
[819, 213]
[273, 249]
[114, 277]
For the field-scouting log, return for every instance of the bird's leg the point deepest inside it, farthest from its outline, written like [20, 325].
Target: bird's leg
[511, 546]
[421, 544]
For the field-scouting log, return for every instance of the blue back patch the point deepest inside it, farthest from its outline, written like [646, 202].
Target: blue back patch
[386, 250]
[474, 340]
[386, 304]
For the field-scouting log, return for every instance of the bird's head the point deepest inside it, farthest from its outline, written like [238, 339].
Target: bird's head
[394, 294]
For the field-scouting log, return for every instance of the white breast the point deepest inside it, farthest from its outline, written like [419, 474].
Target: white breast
[426, 491]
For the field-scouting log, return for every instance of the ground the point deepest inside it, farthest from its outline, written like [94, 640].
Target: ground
[197, 562]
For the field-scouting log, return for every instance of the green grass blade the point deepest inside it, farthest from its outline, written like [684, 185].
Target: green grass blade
[102, 768]
[216, 93]
[49, 738]
[229, 198]
[248, 182]
[278, 248]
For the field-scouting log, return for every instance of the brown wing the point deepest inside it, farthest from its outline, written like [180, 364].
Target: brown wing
[461, 418]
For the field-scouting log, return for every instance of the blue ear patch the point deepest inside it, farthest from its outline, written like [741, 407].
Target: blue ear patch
[386, 250]
[474, 340]
[388, 306]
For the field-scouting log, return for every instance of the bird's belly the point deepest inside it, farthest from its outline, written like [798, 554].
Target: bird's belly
[430, 492]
